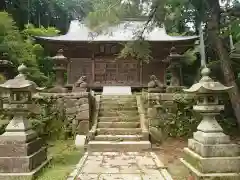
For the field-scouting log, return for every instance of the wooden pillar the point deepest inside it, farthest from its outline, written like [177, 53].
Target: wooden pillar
[93, 68]
[141, 73]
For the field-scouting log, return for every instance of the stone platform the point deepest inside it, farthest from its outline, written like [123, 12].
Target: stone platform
[120, 166]
[117, 90]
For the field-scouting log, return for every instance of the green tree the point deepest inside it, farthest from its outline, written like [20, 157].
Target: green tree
[176, 15]
[18, 49]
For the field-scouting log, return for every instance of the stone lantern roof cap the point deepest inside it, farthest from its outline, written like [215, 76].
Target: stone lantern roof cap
[59, 55]
[207, 84]
[20, 82]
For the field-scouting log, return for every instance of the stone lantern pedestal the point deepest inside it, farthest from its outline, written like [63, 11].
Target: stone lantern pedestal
[22, 153]
[210, 154]
[60, 67]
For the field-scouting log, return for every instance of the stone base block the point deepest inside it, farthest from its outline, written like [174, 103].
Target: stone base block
[211, 138]
[80, 141]
[216, 150]
[23, 164]
[24, 176]
[110, 146]
[209, 176]
[212, 164]
[83, 127]
[15, 148]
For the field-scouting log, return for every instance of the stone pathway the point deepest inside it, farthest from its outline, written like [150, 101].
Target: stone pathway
[120, 166]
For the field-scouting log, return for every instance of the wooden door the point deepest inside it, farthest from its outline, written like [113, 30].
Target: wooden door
[120, 72]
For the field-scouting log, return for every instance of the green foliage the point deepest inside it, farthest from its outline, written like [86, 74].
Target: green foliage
[109, 12]
[31, 30]
[138, 49]
[180, 120]
[18, 49]
[47, 12]
[51, 121]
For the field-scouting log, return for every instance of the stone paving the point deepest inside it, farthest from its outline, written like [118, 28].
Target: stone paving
[120, 166]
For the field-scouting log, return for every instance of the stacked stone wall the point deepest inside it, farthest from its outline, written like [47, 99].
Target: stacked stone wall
[161, 110]
[77, 108]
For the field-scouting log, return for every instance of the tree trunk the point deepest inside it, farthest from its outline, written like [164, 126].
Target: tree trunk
[222, 52]
[2, 5]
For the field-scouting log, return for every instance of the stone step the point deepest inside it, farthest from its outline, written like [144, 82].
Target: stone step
[118, 138]
[132, 106]
[110, 146]
[123, 113]
[118, 103]
[114, 109]
[118, 124]
[118, 119]
[118, 97]
[119, 131]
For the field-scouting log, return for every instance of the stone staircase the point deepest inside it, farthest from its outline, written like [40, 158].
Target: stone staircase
[119, 126]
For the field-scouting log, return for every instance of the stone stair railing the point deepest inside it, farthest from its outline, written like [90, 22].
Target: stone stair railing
[95, 112]
[143, 120]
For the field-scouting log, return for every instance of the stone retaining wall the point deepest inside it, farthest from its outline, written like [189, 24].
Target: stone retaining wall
[76, 107]
[159, 108]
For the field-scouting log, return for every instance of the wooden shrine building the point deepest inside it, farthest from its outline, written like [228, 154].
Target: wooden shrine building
[94, 55]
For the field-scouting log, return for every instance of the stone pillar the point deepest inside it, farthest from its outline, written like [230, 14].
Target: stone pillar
[22, 153]
[174, 66]
[210, 154]
[60, 67]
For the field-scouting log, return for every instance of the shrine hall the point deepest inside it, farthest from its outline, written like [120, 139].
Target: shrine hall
[95, 55]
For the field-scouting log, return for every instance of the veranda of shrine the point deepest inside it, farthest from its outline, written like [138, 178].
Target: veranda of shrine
[115, 108]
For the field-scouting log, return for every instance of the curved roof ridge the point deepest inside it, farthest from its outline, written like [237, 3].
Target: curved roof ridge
[124, 31]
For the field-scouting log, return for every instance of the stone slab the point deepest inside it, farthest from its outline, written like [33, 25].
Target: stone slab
[118, 146]
[209, 176]
[215, 150]
[15, 148]
[211, 138]
[24, 176]
[120, 166]
[212, 164]
[80, 141]
[117, 90]
[23, 164]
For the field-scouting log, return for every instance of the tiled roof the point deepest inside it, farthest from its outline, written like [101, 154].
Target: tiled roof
[125, 31]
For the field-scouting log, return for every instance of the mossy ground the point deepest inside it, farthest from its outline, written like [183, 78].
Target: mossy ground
[65, 157]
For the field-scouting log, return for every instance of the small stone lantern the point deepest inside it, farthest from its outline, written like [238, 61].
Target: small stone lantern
[210, 154]
[6, 67]
[174, 66]
[235, 54]
[60, 67]
[22, 153]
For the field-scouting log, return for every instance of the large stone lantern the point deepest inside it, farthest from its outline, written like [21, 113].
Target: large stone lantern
[210, 154]
[22, 153]
[60, 67]
[174, 66]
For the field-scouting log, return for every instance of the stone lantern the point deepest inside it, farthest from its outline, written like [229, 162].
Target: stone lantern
[6, 66]
[22, 153]
[60, 67]
[235, 54]
[210, 154]
[174, 66]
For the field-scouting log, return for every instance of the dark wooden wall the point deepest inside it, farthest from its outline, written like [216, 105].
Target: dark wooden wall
[98, 62]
